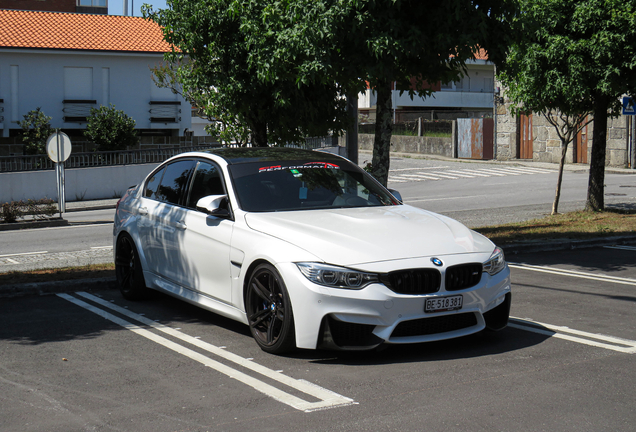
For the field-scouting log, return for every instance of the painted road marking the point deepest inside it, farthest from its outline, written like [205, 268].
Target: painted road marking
[327, 398]
[23, 254]
[629, 248]
[572, 335]
[573, 273]
[101, 247]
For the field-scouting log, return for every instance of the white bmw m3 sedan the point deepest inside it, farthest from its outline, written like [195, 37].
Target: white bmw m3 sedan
[306, 249]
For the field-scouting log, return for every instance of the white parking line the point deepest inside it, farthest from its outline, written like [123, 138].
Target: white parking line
[629, 248]
[573, 273]
[101, 247]
[23, 254]
[327, 398]
[592, 339]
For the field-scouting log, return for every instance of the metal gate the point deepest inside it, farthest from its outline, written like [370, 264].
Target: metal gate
[475, 138]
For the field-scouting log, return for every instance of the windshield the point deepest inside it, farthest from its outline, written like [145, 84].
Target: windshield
[299, 185]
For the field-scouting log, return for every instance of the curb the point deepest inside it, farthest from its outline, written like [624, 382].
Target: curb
[57, 222]
[565, 244]
[46, 288]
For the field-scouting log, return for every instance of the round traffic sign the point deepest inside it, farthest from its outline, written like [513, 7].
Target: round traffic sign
[58, 146]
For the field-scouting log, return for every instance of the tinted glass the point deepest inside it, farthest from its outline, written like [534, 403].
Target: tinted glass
[151, 185]
[299, 185]
[174, 181]
[206, 181]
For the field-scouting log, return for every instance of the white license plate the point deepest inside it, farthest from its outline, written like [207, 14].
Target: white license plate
[442, 304]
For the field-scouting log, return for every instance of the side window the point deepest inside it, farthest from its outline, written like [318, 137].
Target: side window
[151, 185]
[206, 181]
[174, 181]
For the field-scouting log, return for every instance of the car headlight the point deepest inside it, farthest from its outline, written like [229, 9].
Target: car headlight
[336, 277]
[495, 263]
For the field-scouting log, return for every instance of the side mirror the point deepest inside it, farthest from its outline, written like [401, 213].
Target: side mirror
[397, 195]
[214, 205]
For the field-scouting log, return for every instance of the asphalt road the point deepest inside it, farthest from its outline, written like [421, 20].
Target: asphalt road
[476, 194]
[81, 362]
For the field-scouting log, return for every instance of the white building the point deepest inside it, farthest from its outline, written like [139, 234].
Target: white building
[473, 94]
[67, 63]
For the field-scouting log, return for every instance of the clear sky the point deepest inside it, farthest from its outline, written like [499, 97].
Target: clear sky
[116, 7]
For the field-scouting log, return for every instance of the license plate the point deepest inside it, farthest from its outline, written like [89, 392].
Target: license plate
[443, 304]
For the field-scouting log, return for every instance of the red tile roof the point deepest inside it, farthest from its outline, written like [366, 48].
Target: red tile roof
[71, 31]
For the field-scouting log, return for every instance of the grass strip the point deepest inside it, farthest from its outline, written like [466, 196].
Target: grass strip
[58, 274]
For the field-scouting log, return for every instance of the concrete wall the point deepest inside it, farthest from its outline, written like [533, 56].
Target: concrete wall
[35, 78]
[81, 183]
[412, 144]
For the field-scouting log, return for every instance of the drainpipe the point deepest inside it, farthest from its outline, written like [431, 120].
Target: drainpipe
[494, 112]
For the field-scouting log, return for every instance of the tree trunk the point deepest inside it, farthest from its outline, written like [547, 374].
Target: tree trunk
[596, 187]
[383, 129]
[557, 195]
[259, 134]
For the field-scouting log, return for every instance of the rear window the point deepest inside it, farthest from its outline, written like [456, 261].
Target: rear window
[300, 185]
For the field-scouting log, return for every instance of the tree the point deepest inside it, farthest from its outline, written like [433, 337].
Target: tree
[214, 63]
[377, 43]
[111, 129]
[576, 57]
[36, 128]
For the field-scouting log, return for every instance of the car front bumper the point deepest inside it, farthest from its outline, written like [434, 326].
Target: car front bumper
[362, 319]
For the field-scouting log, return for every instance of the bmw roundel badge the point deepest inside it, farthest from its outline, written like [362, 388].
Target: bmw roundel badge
[438, 262]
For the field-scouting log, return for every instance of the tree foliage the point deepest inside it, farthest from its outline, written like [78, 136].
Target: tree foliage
[576, 57]
[283, 67]
[111, 129]
[218, 48]
[36, 128]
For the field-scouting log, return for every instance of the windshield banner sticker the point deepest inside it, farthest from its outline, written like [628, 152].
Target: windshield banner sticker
[297, 167]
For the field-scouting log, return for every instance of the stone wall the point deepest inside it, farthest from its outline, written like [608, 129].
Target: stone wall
[546, 146]
[506, 141]
[413, 144]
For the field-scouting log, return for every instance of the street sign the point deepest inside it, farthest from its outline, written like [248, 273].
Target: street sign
[58, 146]
[629, 106]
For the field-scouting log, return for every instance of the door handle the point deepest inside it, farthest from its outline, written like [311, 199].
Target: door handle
[181, 225]
[143, 211]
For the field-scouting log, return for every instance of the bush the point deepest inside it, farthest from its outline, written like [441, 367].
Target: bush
[110, 129]
[36, 128]
[39, 209]
[11, 211]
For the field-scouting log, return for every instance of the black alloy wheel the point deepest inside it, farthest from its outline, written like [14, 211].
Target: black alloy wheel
[269, 310]
[128, 269]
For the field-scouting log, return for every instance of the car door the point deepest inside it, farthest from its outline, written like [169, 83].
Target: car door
[161, 214]
[206, 239]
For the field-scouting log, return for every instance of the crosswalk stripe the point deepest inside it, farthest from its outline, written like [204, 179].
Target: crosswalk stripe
[471, 173]
[490, 172]
[424, 176]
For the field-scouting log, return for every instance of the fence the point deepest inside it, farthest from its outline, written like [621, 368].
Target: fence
[418, 127]
[128, 157]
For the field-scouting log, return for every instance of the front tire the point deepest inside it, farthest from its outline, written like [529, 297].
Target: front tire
[130, 276]
[269, 310]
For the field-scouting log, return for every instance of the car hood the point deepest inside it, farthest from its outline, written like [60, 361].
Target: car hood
[351, 236]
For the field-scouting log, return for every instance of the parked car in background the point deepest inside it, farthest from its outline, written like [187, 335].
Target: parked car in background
[308, 250]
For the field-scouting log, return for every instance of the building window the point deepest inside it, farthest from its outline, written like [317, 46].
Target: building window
[93, 3]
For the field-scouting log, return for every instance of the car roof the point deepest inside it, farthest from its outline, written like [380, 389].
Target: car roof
[242, 155]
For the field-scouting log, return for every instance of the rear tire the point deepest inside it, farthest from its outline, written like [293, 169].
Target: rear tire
[269, 310]
[130, 276]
